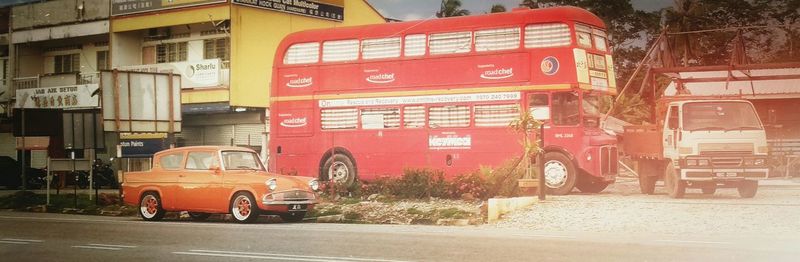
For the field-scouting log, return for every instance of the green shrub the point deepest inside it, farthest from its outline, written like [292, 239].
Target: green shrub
[421, 183]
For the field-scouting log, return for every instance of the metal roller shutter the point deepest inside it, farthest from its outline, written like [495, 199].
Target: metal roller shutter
[249, 134]
[190, 136]
[218, 135]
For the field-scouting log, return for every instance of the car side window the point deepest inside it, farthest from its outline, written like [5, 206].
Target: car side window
[172, 161]
[201, 161]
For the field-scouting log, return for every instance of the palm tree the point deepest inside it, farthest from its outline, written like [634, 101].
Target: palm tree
[532, 4]
[451, 8]
[498, 8]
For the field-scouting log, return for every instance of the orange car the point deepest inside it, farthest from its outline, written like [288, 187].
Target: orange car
[208, 180]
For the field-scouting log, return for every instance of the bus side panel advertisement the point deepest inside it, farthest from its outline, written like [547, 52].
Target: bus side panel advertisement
[293, 122]
[294, 82]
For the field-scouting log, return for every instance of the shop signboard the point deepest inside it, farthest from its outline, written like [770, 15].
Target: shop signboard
[59, 97]
[125, 7]
[141, 144]
[298, 7]
[195, 74]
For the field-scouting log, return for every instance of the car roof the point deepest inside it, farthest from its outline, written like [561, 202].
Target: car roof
[204, 148]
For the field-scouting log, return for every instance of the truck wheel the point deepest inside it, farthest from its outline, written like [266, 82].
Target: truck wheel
[340, 169]
[647, 179]
[748, 188]
[559, 174]
[672, 182]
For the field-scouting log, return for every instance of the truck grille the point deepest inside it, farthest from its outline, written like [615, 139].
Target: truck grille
[727, 148]
[726, 161]
[608, 161]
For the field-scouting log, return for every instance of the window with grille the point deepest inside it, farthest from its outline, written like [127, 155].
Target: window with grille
[414, 116]
[345, 118]
[338, 51]
[380, 48]
[380, 118]
[415, 45]
[497, 39]
[304, 53]
[217, 48]
[171, 52]
[547, 35]
[496, 115]
[102, 60]
[67, 63]
[450, 43]
[448, 116]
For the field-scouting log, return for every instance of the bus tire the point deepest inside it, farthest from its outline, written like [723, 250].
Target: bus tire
[559, 173]
[675, 187]
[340, 169]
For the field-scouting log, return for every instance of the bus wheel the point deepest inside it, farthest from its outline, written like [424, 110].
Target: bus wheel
[340, 169]
[559, 174]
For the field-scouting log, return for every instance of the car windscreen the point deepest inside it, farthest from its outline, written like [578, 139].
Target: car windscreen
[720, 116]
[241, 160]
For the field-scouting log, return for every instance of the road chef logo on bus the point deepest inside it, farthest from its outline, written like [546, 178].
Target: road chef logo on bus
[383, 78]
[549, 65]
[449, 142]
[499, 73]
[293, 122]
[300, 82]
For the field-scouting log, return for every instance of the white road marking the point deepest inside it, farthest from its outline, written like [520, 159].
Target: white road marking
[273, 256]
[96, 247]
[14, 242]
[693, 242]
[23, 240]
[107, 245]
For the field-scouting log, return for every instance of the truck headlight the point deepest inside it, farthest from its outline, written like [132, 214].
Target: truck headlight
[702, 162]
[272, 184]
[691, 162]
[313, 184]
[759, 162]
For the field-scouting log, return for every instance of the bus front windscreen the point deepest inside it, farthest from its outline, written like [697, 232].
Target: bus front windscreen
[725, 116]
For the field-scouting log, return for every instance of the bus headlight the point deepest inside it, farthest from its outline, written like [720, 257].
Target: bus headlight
[272, 184]
[313, 184]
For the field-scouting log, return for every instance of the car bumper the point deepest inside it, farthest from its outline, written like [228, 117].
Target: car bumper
[286, 201]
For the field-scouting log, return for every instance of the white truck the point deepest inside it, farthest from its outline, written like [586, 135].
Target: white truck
[700, 142]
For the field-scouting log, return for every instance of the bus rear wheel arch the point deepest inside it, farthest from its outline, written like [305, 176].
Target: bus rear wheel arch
[339, 168]
[560, 174]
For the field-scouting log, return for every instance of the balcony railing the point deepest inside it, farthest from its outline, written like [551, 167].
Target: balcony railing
[53, 80]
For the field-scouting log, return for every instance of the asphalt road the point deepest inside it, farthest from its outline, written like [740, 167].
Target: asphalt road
[58, 237]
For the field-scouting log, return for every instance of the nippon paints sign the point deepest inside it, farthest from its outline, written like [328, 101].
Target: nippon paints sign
[194, 74]
[433, 99]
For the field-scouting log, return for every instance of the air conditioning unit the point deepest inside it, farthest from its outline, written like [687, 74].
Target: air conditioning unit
[158, 33]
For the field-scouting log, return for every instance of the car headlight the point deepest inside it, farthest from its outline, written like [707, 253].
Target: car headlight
[313, 184]
[272, 184]
[759, 162]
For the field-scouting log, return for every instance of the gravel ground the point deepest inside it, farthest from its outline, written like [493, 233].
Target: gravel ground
[622, 209]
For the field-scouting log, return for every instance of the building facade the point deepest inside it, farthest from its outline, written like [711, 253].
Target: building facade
[223, 50]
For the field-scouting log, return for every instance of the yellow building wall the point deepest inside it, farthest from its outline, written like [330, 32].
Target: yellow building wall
[255, 35]
[182, 17]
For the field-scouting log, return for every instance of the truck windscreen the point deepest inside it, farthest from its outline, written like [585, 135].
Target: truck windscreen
[717, 115]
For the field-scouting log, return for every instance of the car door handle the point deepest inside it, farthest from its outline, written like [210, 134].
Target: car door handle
[181, 175]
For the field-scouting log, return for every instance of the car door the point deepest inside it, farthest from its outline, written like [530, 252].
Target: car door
[201, 182]
[165, 176]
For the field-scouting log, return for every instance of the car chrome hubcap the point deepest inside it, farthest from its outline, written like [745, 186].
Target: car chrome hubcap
[149, 206]
[338, 172]
[242, 208]
[555, 174]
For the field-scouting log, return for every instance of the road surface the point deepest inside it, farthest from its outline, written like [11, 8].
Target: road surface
[59, 237]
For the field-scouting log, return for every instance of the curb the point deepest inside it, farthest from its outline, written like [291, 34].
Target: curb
[500, 206]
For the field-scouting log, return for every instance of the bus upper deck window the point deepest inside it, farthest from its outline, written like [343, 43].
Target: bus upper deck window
[583, 34]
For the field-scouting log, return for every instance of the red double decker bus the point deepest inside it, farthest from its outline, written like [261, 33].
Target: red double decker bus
[365, 101]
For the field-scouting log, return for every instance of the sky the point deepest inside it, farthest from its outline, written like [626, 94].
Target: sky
[421, 9]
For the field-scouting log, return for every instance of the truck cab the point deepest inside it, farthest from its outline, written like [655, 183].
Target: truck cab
[702, 143]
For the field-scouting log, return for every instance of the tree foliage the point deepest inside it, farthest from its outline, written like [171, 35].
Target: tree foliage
[497, 8]
[451, 8]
